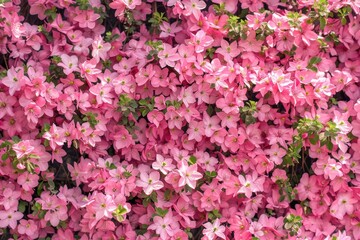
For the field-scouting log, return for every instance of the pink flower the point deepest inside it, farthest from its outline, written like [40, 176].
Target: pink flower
[29, 228]
[123, 139]
[9, 218]
[214, 230]
[23, 148]
[149, 182]
[188, 175]
[168, 56]
[276, 154]
[14, 80]
[229, 51]
[56, 136]
[28, 181]
[6, 105]
[251, 184]
[89, 71]
[332, 169]
[166, 226]
[10, 199]
[163, 164]
[87, 19]
[307, 188]
[155, 117]
[100, 48]
[103, 93]
[103, 206]
[169, 30]
[196, 131]
[343, 204]
[56, 208]
[201, 41]
[193, 7]
[69, 63]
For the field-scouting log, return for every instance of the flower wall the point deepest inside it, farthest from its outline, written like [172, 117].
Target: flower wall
[189, 119]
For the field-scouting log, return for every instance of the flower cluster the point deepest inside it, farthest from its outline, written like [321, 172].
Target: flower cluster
[189, 119]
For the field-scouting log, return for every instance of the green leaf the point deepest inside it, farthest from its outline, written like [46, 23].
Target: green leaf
[51, 184]
[16, 139]
[192, 160]
[46, 127]
[22, 206]
[211, 174]
[41, 214]
[161, 212]
[329, 145]
[153, 197]
[352, 175]
[5, 156]
[119, 213]
[51, 14]
[167, 194]
[322, 23]
[40, 188]
[343, 21]
[4, 1]
[144, 112]
[5, 144]
[34, 156]
[314, 139]
[314, 60]
[110, 166]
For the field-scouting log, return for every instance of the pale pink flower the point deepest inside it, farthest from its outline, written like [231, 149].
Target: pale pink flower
[343, 204]
[163, 164]
[201, 41]
[23, 148]
[188, 175]
[9, 218]
[168, 30]
[193, 7]
[69, 63]
[168, 56]
[56, 136]
[251, 184]
[166, 226]
[29, 228]
[28, 181]
[149, 182]
[14, 80]
[214, 230]
[100, 48]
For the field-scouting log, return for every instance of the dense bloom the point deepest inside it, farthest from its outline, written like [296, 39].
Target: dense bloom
[223, 119]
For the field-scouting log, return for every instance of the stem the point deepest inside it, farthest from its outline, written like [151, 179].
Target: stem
[5, 61]
[155, 7]
[302, 159]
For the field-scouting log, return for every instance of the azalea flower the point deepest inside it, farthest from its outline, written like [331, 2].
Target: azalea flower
[188, 175]
[150, 182]
[213, 230]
